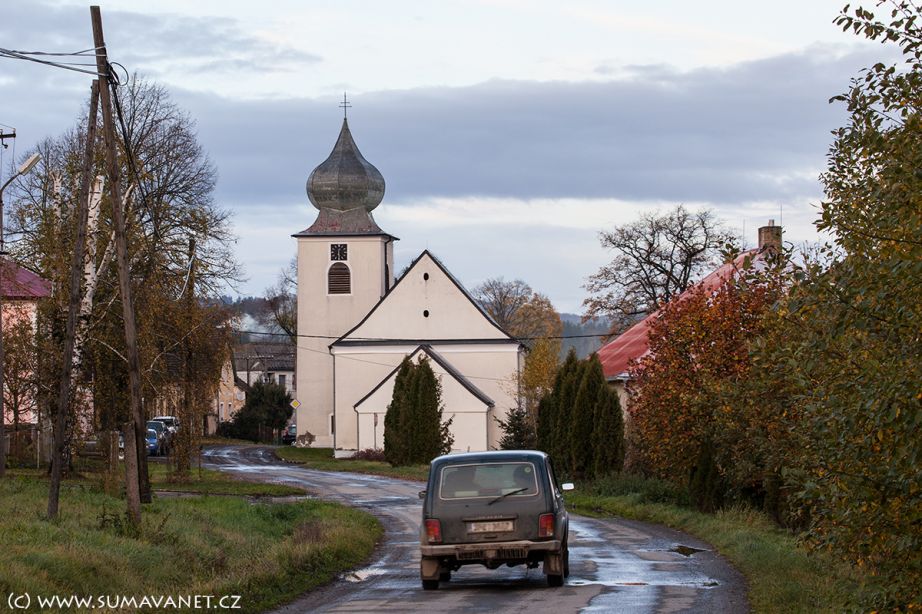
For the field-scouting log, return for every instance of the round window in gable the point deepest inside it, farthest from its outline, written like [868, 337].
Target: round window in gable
[426, 313]
[425, 276]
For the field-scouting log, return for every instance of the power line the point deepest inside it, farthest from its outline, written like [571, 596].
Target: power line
[405, 341]
[18, 55]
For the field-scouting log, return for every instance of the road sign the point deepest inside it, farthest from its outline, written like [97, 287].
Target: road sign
[295, 403]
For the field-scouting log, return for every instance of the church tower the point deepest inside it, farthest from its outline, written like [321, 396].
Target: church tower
[345, 266]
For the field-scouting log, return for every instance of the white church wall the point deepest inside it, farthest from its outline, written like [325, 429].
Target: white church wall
[330, 316]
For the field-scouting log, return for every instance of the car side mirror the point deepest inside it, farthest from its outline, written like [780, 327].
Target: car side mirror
[567, 486]
[422, 494]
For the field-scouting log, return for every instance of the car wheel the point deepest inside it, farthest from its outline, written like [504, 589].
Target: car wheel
[566, 561]
[554, 580]
[445, 576]
[430, 585]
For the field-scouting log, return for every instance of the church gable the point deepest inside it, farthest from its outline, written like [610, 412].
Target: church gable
[427, 303]
[458, 393]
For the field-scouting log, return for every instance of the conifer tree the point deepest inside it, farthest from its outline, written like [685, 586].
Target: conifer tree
[550, 409]
[395, 420]
[426, 417]
[518, 433]
[582, 430]
[608, 439]
[565, 399]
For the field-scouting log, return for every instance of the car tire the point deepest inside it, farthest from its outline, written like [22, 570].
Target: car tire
[554, 580]
[566, 561]
[430, 585]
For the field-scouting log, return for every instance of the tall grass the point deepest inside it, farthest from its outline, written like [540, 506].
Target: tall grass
[267, 553]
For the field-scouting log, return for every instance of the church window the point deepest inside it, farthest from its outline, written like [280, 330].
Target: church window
[339, 279]
[425, 276]
[426, 313]
[339, 251]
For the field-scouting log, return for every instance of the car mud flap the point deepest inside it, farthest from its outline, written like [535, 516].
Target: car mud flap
[553, 565]
[429, 569]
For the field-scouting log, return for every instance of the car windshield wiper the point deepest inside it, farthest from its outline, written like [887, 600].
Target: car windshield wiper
[504, 495]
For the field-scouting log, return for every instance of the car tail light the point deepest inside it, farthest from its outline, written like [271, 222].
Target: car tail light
[433, 531]
[546, 525]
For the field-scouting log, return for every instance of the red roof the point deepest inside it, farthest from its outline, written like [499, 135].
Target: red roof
[633, 343]
[19, 283]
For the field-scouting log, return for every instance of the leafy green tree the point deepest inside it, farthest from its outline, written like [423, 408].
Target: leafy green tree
[267, 408]
[853, 345]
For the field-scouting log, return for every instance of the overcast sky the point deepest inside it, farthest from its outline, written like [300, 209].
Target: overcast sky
[509, 132]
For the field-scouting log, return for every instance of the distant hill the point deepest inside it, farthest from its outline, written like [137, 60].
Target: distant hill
[574, 328]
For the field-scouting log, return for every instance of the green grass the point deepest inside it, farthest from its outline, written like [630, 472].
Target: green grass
[267, 553]
[781, 574]
[322, 458]
[214, 482]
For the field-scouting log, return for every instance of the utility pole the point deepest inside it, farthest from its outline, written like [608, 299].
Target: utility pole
[138, 482]
[76, 266]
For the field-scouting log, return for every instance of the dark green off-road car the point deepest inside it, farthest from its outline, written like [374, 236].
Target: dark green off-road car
[492, 509]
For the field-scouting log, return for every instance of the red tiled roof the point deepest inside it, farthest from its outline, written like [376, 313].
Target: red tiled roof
[19, 283]
[633, 343]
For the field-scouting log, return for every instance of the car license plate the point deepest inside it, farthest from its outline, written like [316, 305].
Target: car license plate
[495, 526]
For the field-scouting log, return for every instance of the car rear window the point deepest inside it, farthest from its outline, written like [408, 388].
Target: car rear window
[488, 480]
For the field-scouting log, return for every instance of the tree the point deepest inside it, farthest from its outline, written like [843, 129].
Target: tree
[395, 419]
[414, 432]
[20, 367]
[853, 344]
[655, 258]
[168, 206]
[608, 436]
[267, 408]
[518, 430]
[281, 309]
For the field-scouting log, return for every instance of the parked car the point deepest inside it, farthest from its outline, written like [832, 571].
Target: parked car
[493, 509]
[170, 422]
[163, 436]
[153, 443]
[290, 435]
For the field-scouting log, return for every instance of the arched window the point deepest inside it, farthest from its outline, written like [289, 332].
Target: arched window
[339, 279]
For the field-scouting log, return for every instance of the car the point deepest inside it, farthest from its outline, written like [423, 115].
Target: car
[290, 435]
[163, 436]
[170, 422]
[493, 508]
[153, 443]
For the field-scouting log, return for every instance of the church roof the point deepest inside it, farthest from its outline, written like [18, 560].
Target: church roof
[345, 188]
[449, 369]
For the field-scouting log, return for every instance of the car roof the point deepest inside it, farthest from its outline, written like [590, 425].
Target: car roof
[490, 457]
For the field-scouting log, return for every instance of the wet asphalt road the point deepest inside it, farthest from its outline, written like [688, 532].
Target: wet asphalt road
[616, 565]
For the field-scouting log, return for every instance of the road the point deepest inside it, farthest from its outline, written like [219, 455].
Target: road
[616, 565]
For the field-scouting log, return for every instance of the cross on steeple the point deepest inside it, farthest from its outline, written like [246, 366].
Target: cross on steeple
[345, 105]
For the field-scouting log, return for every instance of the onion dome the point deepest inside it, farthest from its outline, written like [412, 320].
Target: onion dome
[345, 180]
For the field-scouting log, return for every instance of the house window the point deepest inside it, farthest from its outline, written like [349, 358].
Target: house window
[339, 279]
[282, 380]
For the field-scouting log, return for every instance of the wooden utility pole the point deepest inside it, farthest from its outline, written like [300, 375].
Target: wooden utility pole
[64, 391]
[137, 483]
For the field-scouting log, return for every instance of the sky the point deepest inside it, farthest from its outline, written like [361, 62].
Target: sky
[509, 132]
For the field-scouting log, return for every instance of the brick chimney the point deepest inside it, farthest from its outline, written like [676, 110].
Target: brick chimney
[770, 236]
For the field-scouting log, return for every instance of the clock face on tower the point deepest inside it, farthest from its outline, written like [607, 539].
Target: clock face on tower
[338, 251]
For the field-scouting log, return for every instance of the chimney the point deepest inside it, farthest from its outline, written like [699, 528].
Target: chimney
[770, 236]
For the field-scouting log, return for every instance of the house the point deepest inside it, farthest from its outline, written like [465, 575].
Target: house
[229, 397]
[21, 290]
[356, 322]
[267, 361]
[633, 344]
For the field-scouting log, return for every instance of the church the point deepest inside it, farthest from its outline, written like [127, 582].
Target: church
[356, 322]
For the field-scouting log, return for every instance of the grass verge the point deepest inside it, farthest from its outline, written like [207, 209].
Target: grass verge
[266, 553]
[322, 458]
[209, 481]
[781, 574]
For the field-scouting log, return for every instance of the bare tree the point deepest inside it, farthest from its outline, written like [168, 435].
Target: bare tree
[518, 309]
[281, 309]
[655, 258]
